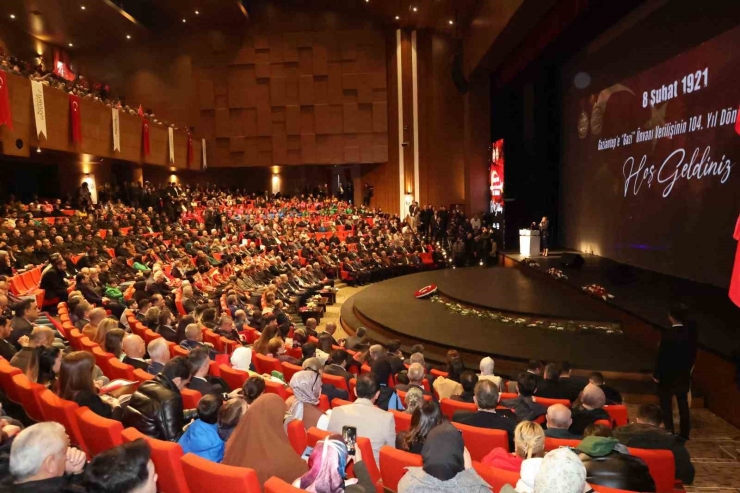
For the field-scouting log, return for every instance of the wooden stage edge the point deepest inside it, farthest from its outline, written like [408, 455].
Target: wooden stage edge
[714, 377]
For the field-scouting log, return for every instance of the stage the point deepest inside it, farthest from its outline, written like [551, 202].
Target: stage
[554, 314]
[648, 295]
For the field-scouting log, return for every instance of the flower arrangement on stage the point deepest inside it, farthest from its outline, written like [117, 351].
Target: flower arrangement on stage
[557, 273]
[598, 291]
[523, 321]
[530, 263]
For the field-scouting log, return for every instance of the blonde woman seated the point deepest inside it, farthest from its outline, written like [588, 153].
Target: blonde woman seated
[529, 444]
[304, 403]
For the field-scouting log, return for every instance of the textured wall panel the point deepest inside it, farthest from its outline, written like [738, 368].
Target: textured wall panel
[289, 96]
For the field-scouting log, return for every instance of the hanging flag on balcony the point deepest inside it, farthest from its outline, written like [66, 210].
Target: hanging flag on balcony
[145, 136]
[205, 163]
[190, 149]
[61, 65]
[6, 117]
[116, 130]
[39, 108]
[171, 135]
[75, 120]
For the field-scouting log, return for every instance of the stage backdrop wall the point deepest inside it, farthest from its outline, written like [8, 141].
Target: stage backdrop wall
[650, 143]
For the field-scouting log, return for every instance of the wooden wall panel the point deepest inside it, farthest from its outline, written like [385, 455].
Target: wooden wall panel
[293, 75]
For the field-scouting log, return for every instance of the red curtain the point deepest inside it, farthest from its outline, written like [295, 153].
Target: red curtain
[75, 120]
[6, 117]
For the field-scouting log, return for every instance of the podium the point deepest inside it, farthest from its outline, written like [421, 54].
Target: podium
[529, 242]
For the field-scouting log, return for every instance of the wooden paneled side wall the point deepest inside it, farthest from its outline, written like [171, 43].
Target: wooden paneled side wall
[305, 94]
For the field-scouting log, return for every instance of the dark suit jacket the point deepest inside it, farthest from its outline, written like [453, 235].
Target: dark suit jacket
[7, 350]
[676, 356]
[502, 419]
[189, 304]
[205, 386]
[169, 333]
[555, 389]
[154, 368]
[574, 384]
[141, 365]
[561, 434]
[525, 408]
[582, 418]
[21, 327]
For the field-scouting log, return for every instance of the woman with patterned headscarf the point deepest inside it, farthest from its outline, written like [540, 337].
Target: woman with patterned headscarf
[326, 473]
[304, 404]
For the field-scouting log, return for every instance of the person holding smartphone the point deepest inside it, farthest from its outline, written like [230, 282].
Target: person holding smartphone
[329, 460]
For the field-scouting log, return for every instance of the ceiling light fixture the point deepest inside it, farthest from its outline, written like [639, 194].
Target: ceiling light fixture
[184, 21]
[397, 17]
[414, 9]
[197, 12]
[128, 36]
[38, 149]
[82, 7]
[71, 45]
[451, 22]
[12, 16]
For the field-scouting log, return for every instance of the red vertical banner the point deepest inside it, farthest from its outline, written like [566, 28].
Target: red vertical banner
[145, 136]
[190, 149]
[737, 122]
[6, 116]
[75, 120]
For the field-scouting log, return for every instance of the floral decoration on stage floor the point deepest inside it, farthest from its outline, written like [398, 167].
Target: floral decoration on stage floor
[526, 321]
[598, 291]
[530, 263]
[557, 273]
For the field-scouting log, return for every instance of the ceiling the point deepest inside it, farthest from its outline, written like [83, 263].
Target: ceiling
[96, 26]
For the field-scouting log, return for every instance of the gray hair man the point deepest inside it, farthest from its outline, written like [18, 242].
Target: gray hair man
[42, 460]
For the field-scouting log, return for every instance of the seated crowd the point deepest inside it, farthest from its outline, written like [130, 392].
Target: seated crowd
[240, 271]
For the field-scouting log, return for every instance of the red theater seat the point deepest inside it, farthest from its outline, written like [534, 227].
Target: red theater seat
[100, 433]
[28, 392]
[618, 414]
[119, 369]
[403, 420]
[234, 378]
[277, 485]
[496, 478]
[393, 464]
[204, 476]
[480, 441]
[266, 365]
[297, 436]
[63, 412]
[448, 407]
[190, 398]
[554, 443]
[662, 467]
[167, 462]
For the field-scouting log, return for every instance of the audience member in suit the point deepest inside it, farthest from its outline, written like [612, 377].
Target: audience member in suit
[558, 423]
[469, 380]
[337, 365]
[200, 380]
[673, 367]
[353, 341]
[26, 312]
[415, 375]
[551, 387]
[613, 397]
[523, 405]
[135, 349]
[193, 337]
[159, 352]
[164, 326]
[7, 350]
[648, 433]
[573, 383]
[487, 416]
[395, 358]
[588, 409]
[331, 329]
[377, 425]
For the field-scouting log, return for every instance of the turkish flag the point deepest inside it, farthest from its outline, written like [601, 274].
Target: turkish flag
[6, 117]
[145, 136]
[735, 279]
[190, 149]
[75, 120]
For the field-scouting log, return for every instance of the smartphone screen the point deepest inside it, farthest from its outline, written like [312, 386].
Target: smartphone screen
[349, 436]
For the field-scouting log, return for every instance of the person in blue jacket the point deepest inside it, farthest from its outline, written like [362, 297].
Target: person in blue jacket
[201, 437]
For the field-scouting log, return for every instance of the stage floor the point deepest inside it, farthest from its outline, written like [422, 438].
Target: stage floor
[391, 304]
[650, 295]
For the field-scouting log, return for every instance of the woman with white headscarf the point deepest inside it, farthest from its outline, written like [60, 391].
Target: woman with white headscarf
[304, 403]
[241, 358]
